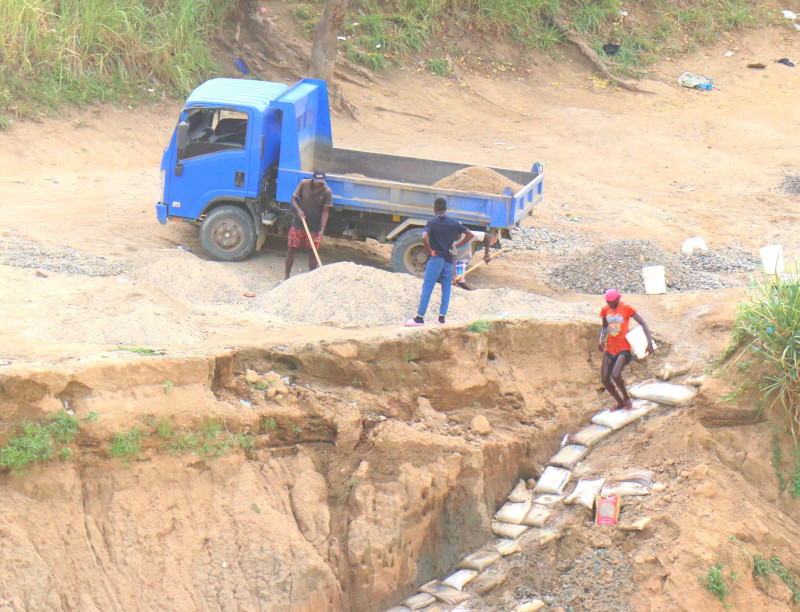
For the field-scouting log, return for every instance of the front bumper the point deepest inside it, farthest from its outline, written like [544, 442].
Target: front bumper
[161, 213]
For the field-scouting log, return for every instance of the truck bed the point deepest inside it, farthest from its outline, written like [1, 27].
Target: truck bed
[403, 186]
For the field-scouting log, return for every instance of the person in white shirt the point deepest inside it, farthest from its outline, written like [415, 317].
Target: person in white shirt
[462, 256]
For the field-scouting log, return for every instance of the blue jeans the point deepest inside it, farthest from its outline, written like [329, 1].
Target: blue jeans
[441, 271]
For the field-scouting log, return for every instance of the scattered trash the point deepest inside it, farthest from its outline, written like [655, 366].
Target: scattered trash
[40, 274]
[519, 493]
[573, 217]
[552, 480]
[728, 53]
[692, 81]
[585, 492]
[341, 38]
[785, 61]
[479, 561]
[772, 259]
[4, 362]
[623, 13]
[512, 512]
[591, 434]
[607, 510]
[460, 578]
[642, 477]
[568, 456]
[224, 564]
[789, 14]
[249, 294]
[611, 48]
[757, 66]
[537, 516]
[65, 403]
[244, 403]
[664, 393]
[182, 248]
[690, 245]
[242, 66]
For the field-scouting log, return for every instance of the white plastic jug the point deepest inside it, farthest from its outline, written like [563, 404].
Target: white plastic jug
[638, 342]
[772, 259]
[654, 281]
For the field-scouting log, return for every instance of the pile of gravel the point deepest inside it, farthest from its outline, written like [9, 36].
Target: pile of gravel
[791, 184]
[346, 294]
[21, 253]
[545, 240]
[619, 264]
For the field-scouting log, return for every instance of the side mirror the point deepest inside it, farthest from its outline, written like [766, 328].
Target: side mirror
[183, 136]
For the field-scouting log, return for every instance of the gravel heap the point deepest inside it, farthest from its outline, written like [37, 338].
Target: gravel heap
[346, 294]
[619, 264]
[21, 253]
[791, 184]
[477, 178]
[545, 239]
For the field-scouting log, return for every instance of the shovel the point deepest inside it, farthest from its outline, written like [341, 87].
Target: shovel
[479, 264]
[311, 241]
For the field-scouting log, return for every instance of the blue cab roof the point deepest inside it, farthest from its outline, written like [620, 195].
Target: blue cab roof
[241, 92]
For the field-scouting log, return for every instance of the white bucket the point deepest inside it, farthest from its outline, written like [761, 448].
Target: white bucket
[772, 259]
[638, 341]
[654, 281]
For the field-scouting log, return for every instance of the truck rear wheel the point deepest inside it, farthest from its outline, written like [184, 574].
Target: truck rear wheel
[409, 254]
[229, 233]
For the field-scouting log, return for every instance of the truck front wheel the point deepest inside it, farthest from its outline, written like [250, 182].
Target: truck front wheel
[409, 254]
[229, 233]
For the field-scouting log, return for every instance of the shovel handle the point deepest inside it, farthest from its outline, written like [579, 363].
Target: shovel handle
[479, 264]
[311, 241]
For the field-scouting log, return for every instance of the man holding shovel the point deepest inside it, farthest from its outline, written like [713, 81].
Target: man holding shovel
[463, 255]
[311, 205]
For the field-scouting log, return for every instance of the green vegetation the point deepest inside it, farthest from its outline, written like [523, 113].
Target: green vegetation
[714, 581]
[90, 417]
[269, 424]
[769, 319]
[38, 441]
[139, 350]
[74, 51]
[348, 488]
[167, 386]
[764, 567]
[479, 326]
[126, 446]
[254, 507]
[786, 477]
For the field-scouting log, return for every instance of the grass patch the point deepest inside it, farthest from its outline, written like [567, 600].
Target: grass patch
[79, 52]
[765, 567]
[769, 318]
[35, 442]
[139, 350]
[715, 582]
[126, 446]
[479, 326]
[348, 488]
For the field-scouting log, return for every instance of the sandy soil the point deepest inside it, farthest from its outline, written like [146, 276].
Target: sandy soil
[659, 167]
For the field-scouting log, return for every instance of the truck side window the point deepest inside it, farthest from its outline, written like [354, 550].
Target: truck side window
[214, 130]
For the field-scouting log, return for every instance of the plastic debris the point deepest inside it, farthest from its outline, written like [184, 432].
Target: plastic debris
[789, 14]
[244, 403]
[785, 61]
[757, 66]
[611, 48]
[585, 492]
[242, 66]
[728, 53]
[607, 510]
[693, 81]
[690, 245]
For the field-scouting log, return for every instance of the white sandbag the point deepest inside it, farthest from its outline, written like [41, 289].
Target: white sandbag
[547, 500]
[519, 493]
[664, 393]
[507, 546]
[642, 477]
[511, 512]
[507, 530]
[624, 489]
[420, 600]
[585, 492]
[530, 606]
[591, 435]
[479, 561]
[552, 480]
[568, 456]
[460, 578]
[537, 516]
[619, 418]
[445, 594]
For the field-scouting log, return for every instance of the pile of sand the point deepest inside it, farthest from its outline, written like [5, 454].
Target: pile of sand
[349, 295]
[479, 179]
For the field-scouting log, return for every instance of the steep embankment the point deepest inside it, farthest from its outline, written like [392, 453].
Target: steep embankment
[191, 488]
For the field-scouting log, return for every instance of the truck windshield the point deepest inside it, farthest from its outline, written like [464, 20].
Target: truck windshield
[212, 130]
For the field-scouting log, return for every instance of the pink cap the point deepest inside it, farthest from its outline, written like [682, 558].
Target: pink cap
[612, 294]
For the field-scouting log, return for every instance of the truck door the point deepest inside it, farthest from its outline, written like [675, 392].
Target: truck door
[215, 163]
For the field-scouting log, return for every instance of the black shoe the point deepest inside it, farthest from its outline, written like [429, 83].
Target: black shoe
[440, 321]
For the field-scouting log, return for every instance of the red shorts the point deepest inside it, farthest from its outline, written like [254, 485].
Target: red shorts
[298, 239]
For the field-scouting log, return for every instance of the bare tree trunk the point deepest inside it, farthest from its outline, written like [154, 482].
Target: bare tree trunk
[323, 51]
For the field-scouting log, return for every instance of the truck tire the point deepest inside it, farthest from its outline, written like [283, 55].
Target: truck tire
[229, 233]
[409, 254]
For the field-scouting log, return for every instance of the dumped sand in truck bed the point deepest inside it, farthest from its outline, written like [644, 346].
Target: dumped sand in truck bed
[477, 178]
[349, 295]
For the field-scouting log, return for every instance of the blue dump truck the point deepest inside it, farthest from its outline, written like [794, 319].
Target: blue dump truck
[241, 147]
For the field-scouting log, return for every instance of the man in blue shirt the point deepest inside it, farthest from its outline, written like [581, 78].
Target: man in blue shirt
[438, 237]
